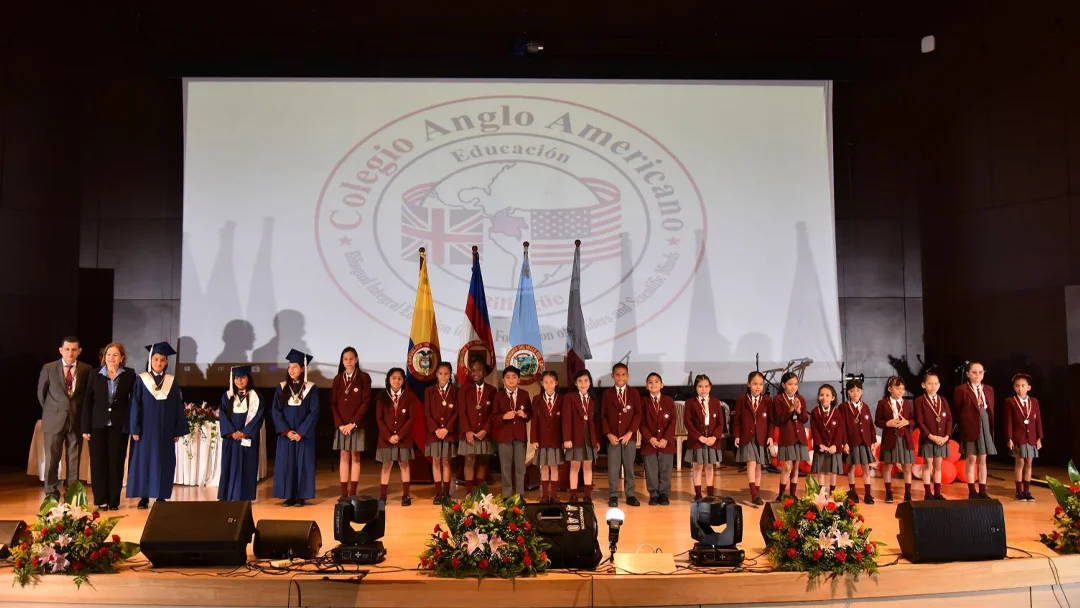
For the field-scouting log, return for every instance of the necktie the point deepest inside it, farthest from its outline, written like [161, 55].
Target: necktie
[69, 378]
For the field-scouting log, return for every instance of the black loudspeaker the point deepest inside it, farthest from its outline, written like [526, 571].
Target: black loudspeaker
[571, 530]
[12, 532]
[770, 513]
[286, 538]
[198, 533]
[951, 530]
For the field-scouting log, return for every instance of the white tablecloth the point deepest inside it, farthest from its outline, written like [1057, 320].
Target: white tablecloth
[35, 462]
[203, 466]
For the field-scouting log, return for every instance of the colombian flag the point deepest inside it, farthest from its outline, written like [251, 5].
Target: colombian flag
[423, 355]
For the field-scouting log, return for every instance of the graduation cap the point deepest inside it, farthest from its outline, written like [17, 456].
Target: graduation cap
[299, 358]
[158, 348]
[235, 372]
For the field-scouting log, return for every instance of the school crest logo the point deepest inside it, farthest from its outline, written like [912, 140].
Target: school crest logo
[423, 359]
[494, 172]
[529, 362]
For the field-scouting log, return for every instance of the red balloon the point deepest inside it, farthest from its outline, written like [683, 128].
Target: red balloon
[961, 471]
[804, 467]
[915, 438]
[858, 470]
[948, 472]
[954, 452]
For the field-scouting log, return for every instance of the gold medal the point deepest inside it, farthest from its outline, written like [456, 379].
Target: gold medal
[444, 404]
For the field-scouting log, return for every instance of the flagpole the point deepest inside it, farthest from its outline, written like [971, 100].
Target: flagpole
[422, 255]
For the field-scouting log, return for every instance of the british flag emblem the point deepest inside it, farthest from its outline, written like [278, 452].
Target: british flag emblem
[448, 234]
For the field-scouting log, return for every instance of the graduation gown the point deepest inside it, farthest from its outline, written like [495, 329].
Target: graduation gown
[157, 417]
[294, 464]
[240, 464]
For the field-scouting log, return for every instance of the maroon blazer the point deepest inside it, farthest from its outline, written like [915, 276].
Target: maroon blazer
[831, 430]
[577, 420]
[966, 406]
[658, 423]
[927, 415]
[511, 430]
[889, 436]
[620, 419]
[349, 400]
[396, 420]
[792, 425]
[860, 426]
[750, 423]
[439, 416]
[1015, 429]
[474, 416]
[547, 425]
[694, 418]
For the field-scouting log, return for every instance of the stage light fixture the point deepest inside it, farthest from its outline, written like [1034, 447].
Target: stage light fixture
[615, 519]
[716, 548]
[359, 546]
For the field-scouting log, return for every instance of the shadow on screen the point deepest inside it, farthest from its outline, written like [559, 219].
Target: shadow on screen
[188, 372]
[289, 332]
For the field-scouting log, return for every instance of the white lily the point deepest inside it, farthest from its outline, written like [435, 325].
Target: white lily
[474, 541]
[824, 541]
[843, 540]
[63, 540]
[821, 499]
[496, 544]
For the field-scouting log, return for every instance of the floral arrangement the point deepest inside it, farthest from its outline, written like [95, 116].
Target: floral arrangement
[1066, 539]
[485, 536]
[822, 534]
[69, 539]
[198, 415]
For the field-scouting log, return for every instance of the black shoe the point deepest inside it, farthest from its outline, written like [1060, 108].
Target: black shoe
[888, 498]
[144, 503]
[53, 495]
[102, 508]
[114, 507]
[613, 502]
[406, 501]
[853, 496]
[300, 502]
[633, 501]
[437, 500]
[1028, 497]
[664, 500]
[289, 503]
[757, 501]
[868, 499]
[983, 495]
[938, 497]
[653, 501]
[907, 497]
[1019, 497]
[157, 500]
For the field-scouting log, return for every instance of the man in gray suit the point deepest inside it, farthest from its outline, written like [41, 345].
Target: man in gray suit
[60, 392]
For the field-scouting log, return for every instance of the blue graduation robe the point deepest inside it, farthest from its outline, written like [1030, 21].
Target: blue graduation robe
[294, 464]
[157, 417]
[240, 464]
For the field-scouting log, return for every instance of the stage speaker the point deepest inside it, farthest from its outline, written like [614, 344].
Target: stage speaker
[286, 538]
[571, 530]
[951, 530]
[198, 533]
[12, 532]
[769, 513]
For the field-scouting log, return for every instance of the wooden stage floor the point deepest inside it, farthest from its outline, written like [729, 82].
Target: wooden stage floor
[1038, 580]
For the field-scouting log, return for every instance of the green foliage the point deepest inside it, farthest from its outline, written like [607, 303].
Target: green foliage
[1066, 538]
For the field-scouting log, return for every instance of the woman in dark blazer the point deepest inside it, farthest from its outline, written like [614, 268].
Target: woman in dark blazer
[105, 411]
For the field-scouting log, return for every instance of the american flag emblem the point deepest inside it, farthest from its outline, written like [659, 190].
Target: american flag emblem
[599, 226]
[448, 234]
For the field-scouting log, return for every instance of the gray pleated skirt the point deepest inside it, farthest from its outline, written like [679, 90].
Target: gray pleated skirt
[828, 463]
[704, 455]
[581, 453]
[440, 449]
[479, 448]
[548, 457]
[394, 454]
[789, 453]
[752, 452]
[353, 442]
[898, 455]
[1025, 450]
[984, 445]
[933, 450]
[860, 454]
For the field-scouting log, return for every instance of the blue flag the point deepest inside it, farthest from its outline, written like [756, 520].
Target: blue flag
[525, 326]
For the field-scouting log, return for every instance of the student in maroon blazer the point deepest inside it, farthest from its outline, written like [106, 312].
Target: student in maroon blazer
[896, 418]
[860, 438]
[620, 415]
[395, 409]
[580, 438]
[1024, 430]
[349, 399]
[658, 440]
[513, 410]
[547, 436]
[935, 421]
[973, 403]
[704, 419]
[753, 432]
[440, 416]
[790, 416]
[475, 421]
[827, 427]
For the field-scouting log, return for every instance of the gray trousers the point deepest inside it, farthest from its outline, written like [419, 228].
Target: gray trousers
[658, 473]
[512, 463]
[69, 443]
[621, 457]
